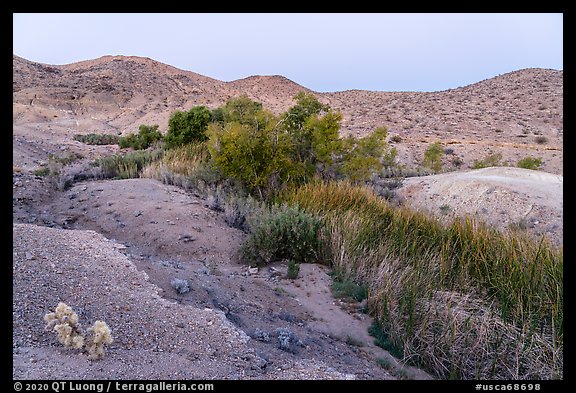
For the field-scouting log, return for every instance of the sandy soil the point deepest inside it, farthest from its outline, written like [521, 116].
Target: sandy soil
[501, 196]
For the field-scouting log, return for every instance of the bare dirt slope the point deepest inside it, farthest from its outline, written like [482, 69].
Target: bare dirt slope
[501, 196]
[164, 234]
[154, 338]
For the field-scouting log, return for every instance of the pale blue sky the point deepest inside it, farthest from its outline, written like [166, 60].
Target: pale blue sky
[324, 52]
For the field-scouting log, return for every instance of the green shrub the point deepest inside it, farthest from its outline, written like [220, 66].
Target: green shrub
[42, 171]
[343, 288]
[188, 127]
[259, 158]
[433, 157]
[367, 155]
[282, 232]
[488, 161]
[143, 140]
[529, 163]
[293, 270]
[97, 139]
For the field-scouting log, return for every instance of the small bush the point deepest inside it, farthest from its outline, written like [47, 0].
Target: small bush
[433, 157]
[181, 286]
[146, 136]
[293, 270]
[488, 161]
[529, 163]
[43, 171]
[541, 140]
[237, 210]
[188, 127]
[457, 162]
[282, 232]
[129, 165]
[396, 138]
[97, 139]
[347, 289]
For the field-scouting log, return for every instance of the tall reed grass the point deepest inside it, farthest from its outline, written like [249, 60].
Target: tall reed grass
[128, 165]
[462, 300]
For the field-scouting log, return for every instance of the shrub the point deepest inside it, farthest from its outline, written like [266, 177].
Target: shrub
[188, 127]
[97, 139]
[433, 157]
[181, 286]
[143, 140]
[396, 138]
[488, 161]
[346, 288]
[367, 155]
[529, 163]
[282, 232]
[541, 140]
[42, 171]
[293, 270]
[237, 211]
[129, 165]
[259, 158]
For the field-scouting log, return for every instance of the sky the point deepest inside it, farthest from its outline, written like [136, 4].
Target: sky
[323, 52]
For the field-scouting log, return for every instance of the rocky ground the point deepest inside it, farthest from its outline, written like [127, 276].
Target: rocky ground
[112, 249]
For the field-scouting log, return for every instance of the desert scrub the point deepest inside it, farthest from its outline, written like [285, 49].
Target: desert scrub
[65, 322]
[530, 163]
[489, 160]
[293, 270]
[180, 286]
[97, 139]
[282, 232]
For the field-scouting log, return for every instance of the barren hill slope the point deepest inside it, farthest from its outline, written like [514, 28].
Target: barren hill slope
[515, 114]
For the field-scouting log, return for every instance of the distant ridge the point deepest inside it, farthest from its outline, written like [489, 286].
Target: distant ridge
[504, 113]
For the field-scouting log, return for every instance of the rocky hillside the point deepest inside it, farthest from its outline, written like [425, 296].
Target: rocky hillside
[517, 114]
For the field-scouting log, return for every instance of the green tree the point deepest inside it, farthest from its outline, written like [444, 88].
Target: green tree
[314, 130]
[245, 111]
[367, 155]
[259, 156]
[188, 127]
[307, 105]
[433, 157]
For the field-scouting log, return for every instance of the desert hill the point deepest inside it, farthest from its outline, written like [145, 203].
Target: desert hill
[516, 114]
